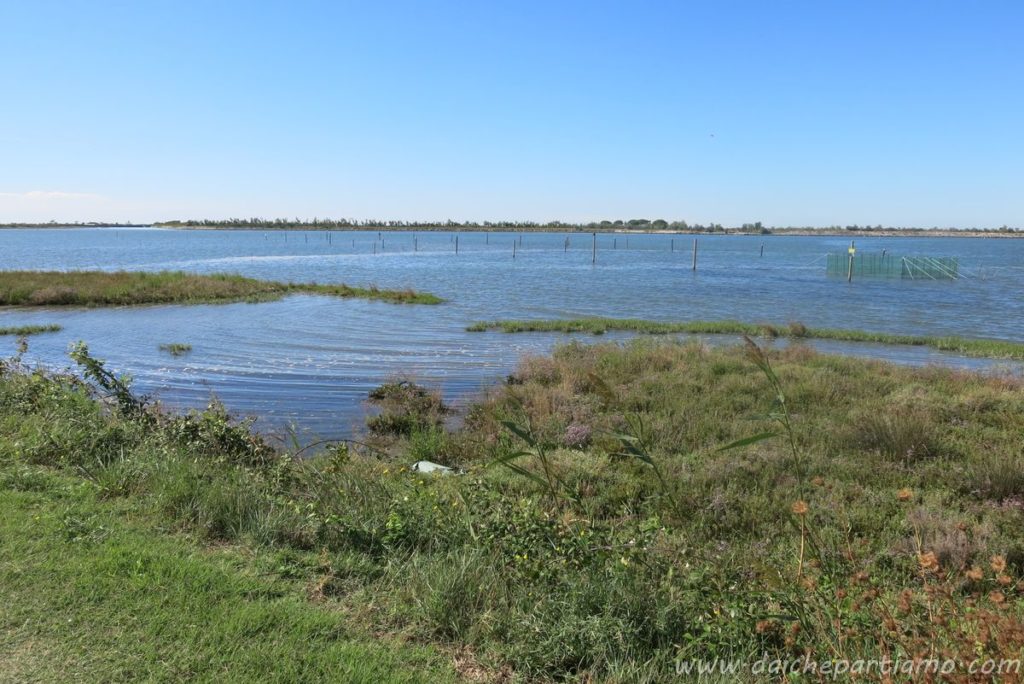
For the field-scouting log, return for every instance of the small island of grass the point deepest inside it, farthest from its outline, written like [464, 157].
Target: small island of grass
[993, 349]
[176, 348]
[23, 330]
[121, 288]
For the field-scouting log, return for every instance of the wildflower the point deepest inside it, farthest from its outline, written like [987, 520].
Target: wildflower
[1004, 580]
[998, 563]
[905, 494]
[763, 626]
[996, 597]
[817, 480]
[975, 574]
[799, 507]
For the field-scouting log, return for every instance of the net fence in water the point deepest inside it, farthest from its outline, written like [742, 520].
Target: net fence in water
[885, 265]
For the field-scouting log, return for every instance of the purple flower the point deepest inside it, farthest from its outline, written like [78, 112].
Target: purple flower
[577, 435]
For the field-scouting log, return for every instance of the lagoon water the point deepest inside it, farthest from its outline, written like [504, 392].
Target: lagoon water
[309, 361]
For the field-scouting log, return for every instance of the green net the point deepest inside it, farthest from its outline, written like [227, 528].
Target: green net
[884, 265]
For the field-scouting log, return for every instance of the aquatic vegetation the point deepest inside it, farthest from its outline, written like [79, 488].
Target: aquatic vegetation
[176, 348]
[667, 501]
[101, 288]
[995, 349]
[22, 330]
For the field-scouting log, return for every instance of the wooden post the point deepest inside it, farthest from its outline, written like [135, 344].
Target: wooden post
[615, 243]
[566, 248]
[694, 254]
[456, 244]
[487, 238]
[762, 249]
[513, 250]
[673, 248]
[593, 258]
[849, 270]
[415, 244]
[374, 246]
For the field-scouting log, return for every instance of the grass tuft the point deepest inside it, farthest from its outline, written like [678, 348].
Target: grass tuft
[176, 348]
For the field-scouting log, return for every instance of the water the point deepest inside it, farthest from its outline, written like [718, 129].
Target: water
[309, 361]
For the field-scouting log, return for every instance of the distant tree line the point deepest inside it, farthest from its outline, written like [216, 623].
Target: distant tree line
[343, 224]
[638, 224]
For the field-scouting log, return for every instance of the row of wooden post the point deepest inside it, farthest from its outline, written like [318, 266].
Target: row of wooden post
[519, 242]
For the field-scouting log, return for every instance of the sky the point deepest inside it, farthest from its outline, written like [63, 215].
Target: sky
[789, 113]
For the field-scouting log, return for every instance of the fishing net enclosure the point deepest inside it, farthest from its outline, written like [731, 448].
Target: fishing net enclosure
[884, 265]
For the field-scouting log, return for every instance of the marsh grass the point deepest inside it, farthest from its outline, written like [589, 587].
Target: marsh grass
[644, 543]
[23, 330]
[122, 288]
[176, 348]
[996, 349]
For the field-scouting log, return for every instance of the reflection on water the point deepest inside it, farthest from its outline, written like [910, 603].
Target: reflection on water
[310, 360]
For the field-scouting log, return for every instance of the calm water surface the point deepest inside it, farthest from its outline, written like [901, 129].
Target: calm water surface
[309, 361]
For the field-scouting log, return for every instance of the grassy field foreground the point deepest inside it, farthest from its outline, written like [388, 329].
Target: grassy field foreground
[101, 288]
[621, 509]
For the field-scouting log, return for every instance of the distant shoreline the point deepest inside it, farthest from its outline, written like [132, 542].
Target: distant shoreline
[767, 232]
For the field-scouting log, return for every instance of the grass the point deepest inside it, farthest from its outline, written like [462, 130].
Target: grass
[600, 532]
[23, 330]
[101, 288]
[176, 348]
[996, 349]
[92, 594]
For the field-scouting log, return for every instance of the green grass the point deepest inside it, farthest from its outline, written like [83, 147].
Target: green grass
[100, 288]
[92, 594]
[996, 349]
[176, 348]
[599, 533]
[23, 330]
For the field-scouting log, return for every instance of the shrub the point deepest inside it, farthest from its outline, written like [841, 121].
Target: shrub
[405, 407]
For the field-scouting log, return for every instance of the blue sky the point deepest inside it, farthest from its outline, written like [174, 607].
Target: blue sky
[790, 113]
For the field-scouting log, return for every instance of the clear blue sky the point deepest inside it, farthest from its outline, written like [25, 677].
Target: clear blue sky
[790, 113]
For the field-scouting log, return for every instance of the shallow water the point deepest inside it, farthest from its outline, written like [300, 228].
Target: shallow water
[309, 361]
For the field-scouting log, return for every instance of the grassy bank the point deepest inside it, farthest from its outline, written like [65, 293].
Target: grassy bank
[600, 531]
[101, 288]
[994, 349]
[23, 330]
